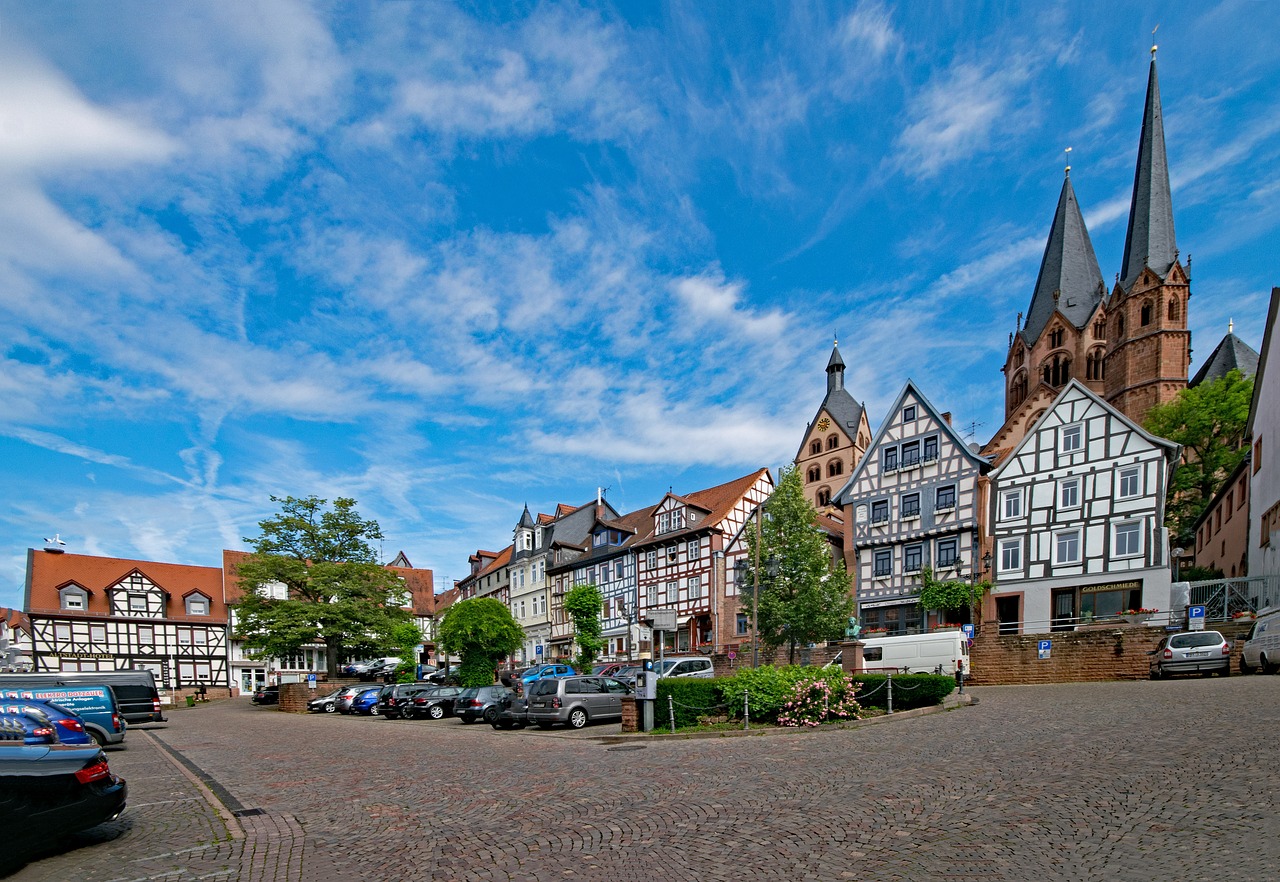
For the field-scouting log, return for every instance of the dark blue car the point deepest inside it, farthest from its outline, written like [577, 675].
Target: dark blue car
[67, 725]
[366, 702]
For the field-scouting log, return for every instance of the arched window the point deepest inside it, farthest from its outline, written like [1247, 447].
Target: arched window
[1173, 309]
[815, 446]
[1146, 313]
[1093, 365]
[1100, 330]
[1120, 325]
[1055, 337]
[1020, 357]
[833, 441]
[824, 496]
[1018, 391]
[814, 474]
[1058, 371]
[835, 467]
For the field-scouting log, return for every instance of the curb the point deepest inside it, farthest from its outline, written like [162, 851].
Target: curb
[951, 702]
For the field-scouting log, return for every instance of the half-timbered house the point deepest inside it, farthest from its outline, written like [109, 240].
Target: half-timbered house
[103, 614]
[912, 502]
[684, 562]
[1077, 519]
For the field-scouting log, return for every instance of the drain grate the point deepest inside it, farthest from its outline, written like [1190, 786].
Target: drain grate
[245, 813]
[628, 747]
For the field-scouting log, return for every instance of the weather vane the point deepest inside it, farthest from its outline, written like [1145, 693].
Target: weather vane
[1154, 47]
[1068, 153]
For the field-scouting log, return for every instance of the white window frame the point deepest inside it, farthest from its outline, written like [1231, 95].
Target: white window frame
[695, 587]
[200, 600]
[1058, 538]
[74, 599]
[1007, 496]
[1129, 472]
[1010, 548]
[1069, 486]
[1136, 527]
[62, 632]
[1073, 431]
[142, 606]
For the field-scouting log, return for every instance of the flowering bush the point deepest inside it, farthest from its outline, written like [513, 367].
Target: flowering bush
[819, 699]
[1243, 614]
[1140, 611]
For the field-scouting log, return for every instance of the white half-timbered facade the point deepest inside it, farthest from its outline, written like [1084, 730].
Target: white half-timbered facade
[912, 502]
[1077, 519]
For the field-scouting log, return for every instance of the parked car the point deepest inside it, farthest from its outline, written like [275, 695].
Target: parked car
[607, 670]
[67, 725]
[366, 702]
[396, 697]
[1262, 645]
[435, 703]
[627, 674]
[542, 672]
[479, 702]
[383, 667]
[348, 695]
[93, 704]
[576, 701]
[1191, 652]
[50, 789]
[686, 666]
[512, 712]
[325, 704]
[266, 695]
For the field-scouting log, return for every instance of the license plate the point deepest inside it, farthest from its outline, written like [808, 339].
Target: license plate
[1204, 654]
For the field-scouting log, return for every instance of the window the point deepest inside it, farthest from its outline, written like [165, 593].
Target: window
[695, 587]
[912, 558]
[1057, 371]
[947, 552]
[1067, 547]
[1100, 329]
[198, 605]
[815, 446]
[653, 595]
[98, 633]
[910, 454]
[833, 441]
[1070, 438]
[137, 603]
[1130, 484]
[946, 498]
[835, 468]
[908, 413]
[813, 474]
[1173, 309]
[931, 448]
[1146, 313]
[883, 563]
[651, 559]
[1128, 539]
[890, 458]
[673, 592]
[744, 624]
[1010, 555]
[1069, 493]
[695, 549]
[673, 553]
[617, 570]
[880, 511]
[72, 600]
[911, 505]
[62, 632]
[146, 635]
[184, 636]
[1055, 337]
[824, 497]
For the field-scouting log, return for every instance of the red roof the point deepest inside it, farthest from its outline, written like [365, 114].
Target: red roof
[49, 572]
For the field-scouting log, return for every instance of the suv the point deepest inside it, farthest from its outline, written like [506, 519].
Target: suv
[395, 698]
[575, 700]
[1191, 652]
[692, 666]
[266, 695]
[543, 672]
[479, 702]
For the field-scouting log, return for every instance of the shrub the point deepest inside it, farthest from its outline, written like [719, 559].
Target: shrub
[909, 690]
[768, 688]
[822, 695]
[692, 698]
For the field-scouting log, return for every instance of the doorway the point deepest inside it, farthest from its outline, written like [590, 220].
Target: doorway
[1064, 610]
[1009, 614]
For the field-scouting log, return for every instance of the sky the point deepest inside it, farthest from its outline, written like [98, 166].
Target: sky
[450, 259]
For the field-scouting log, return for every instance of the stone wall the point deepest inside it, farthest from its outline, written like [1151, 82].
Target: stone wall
[1111, 652]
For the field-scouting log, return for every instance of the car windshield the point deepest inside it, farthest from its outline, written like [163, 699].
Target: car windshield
[544, 687]
[663, 667]
[1187, 641]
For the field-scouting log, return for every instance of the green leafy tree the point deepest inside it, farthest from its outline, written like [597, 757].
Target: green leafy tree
[803, 597]
[583, 604]
[335, 592]
[481, 631]
[950, 595]
[1209, 422]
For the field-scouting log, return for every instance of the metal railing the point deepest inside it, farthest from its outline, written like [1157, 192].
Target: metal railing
[1224, 598]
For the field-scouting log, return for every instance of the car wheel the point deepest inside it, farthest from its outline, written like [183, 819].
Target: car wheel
[436, 712]
[98, 738]
[577, 718]
[1245, 667]
[373, 711]
[1156, 673]
[330, 708]
[491, 715]
[1267, 666]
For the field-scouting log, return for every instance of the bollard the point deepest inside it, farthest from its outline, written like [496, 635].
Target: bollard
[746, 709]
[671, 711]
[889, 686]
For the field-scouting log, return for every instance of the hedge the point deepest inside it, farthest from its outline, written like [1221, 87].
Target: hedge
[909, 690]
[693, 698]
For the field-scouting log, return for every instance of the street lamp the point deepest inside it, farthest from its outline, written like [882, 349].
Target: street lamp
[629, 612]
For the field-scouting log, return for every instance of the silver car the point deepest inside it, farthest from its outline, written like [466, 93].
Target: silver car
[1191, 652]
[575, 700]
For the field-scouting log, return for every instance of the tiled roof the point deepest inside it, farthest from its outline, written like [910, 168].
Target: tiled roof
[718, 501]
[1231, 354]
[48, 572]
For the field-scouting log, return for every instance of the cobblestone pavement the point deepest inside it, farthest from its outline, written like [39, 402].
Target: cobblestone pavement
[1130, 780]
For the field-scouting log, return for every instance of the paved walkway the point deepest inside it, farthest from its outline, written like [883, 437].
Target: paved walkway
[1090, 781]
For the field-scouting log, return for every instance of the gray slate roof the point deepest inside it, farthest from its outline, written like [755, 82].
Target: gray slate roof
[844, 410]
[1069, 267]
[1231, 354]
[1150, 239]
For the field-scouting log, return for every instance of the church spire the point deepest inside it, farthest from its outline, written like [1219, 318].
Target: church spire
[1149, 241]
[1069, 280]
[835, 370]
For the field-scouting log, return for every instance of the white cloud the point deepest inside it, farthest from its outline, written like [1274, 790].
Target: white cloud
[870, 28]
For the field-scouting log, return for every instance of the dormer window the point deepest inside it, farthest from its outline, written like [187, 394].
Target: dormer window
[197, 605]
[670, 521]
[73, 597]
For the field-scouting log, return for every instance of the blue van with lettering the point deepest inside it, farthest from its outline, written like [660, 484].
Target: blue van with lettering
[95, 705]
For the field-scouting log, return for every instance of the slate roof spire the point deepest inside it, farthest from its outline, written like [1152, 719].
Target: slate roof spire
[835, 370]
[526, 520]
[1069, 280]
[1150, 239]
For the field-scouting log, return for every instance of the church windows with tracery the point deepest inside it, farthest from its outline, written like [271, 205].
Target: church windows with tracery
[1093, 365]
[1019, 389]
[1057, 371]
[1173, 309]
[1100, 330]
[824, 496]
[833, 442]
[814, 474]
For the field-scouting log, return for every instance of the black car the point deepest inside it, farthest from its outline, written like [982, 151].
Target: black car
[480, 702]
[435, 703]
[266, 695]
[513, 712]
[395, 699]
[51, 789]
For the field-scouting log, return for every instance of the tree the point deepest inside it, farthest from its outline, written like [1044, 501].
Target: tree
[334, 591]
[808, 600]
[1209, 422]
[953, 594]
[481, 631]
[583, 604]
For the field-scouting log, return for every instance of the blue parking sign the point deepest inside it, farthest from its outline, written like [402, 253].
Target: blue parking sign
[538, 650]
[1043, 648]
[1195, 618]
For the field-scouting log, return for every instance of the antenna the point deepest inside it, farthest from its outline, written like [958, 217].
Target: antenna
[971, 429]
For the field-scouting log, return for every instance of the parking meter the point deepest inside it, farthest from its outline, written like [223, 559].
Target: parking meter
[646, 686]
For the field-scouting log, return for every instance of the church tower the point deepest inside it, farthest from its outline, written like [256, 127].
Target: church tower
[835, 439]
[1149, 349]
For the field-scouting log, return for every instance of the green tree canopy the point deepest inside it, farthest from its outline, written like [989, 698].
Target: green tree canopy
[583, 604]
[334, 591]
[1209, 422]
[481, 631]
[803, 598]
[952, 594]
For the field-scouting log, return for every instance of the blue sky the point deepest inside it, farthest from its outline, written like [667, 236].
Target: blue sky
[447, 259]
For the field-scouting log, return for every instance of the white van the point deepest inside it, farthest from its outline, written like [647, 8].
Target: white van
[1262, 645]
[695, 666]
[938, 652]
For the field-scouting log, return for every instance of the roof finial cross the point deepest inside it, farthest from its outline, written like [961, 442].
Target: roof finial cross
[1154, 47]
[1068, 153]
[1231, 326]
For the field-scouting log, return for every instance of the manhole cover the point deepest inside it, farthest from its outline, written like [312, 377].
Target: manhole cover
[628, 747]
[245, 813]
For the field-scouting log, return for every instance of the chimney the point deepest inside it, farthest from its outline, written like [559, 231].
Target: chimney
[946, 417]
